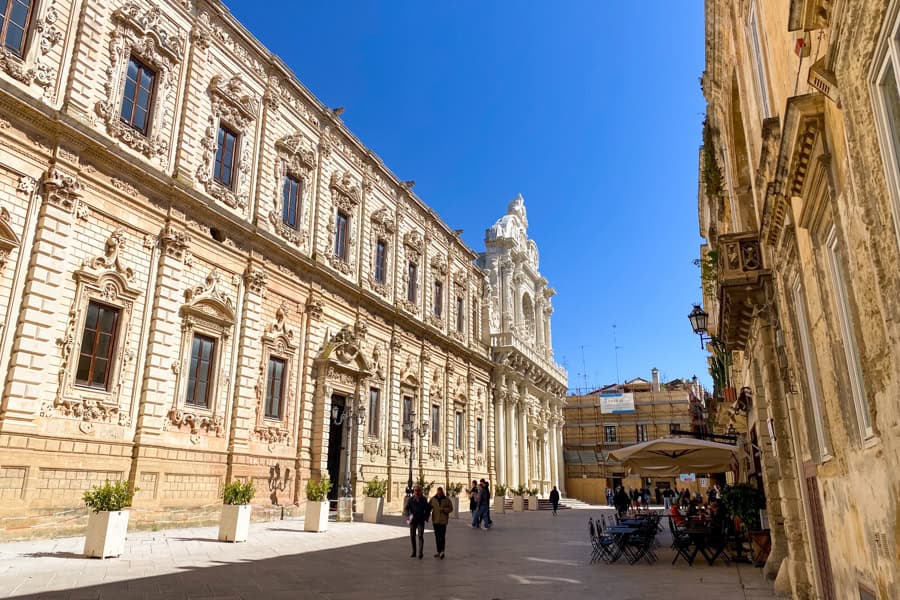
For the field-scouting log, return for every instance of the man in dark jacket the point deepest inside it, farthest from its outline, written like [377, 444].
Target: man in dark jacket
[621, 501]
[554, 499]
[417, 511]
[483, 513]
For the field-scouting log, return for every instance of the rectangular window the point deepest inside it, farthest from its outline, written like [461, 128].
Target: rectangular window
[438, 298]
[407, 416]
[203, 349]
[476, 318]
[845, 320]
[226, 151]
[412, 276]
[374, 411]
[673, 427]
[435, 425]
[818, 438]
[138, 95]
[759, 62]
[341, 229]
[887, 101]
[292, 199]
[479, 435]
[14, 22]
[460, 314]
[380, 261]
[97, 345]
[460, 431]
[275, 387]
[610, 433]
[642, 433]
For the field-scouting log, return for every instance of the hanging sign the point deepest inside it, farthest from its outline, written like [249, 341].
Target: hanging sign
[611, 404]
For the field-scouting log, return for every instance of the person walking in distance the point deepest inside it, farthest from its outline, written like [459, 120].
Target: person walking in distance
[473, 500]
[554, 499]
[417, 511]
[441, 508]
[485, 507]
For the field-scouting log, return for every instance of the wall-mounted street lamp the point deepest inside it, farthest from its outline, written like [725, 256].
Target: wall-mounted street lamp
[699, 319]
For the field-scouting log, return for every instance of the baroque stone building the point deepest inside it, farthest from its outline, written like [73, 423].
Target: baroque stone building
[800, 206]
[205, 276]
[529, 387]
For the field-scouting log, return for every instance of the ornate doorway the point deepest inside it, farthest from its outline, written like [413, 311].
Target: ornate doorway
[336, 444]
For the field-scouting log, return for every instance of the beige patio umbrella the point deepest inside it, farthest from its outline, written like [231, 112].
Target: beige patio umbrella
[667, 457]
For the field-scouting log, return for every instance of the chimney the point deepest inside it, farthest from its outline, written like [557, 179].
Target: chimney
[654, 380]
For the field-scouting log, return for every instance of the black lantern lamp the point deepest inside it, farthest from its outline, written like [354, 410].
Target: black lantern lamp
[699, 319]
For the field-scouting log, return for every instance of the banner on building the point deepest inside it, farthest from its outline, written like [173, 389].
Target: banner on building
[611, 404]
[687, 477]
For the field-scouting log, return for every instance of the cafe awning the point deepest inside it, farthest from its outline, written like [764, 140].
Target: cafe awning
[667, 457]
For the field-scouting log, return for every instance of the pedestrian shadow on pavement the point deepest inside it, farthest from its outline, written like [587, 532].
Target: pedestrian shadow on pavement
[55, 555]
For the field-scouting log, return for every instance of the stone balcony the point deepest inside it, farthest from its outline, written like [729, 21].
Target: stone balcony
[741, 281]
[513, 341]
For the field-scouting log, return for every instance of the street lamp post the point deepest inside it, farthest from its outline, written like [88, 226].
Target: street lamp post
[353, 413]
[414, 430]
[699, 319]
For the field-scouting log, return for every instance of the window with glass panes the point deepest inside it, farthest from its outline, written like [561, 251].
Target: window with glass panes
[226, 151]
[291, 197]
[438, 298]
[479, 435]
[138, 95]
[412, 276]
[407, 416]
[341, 229]
[203, 349]
[380, 261]
[97, 345]
[641, 433]
[374, 411]
[610, 433]
[435, 425]
[460, 313]
[460, 431]
[275, 387]
[14, 22]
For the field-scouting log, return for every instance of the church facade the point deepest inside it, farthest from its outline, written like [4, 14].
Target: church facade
[205, 276]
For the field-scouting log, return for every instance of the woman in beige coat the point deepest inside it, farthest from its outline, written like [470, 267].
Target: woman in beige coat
[441, 507]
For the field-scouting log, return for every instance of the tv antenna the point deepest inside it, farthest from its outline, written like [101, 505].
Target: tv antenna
[584, 370]
[616, 348]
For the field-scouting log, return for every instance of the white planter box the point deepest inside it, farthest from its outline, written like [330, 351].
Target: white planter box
[373, 509]
[532, 502]
[316, 516]
[500, 504]
[106, 534]
[518, 503]
[455, 502]
[234, 523]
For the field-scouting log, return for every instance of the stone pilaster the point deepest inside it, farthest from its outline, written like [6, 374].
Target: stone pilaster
[500, 435]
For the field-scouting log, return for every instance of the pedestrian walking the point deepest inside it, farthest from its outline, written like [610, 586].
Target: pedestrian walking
[441, 508]
[483, 512]
[622, 502]
[486, 516]
[473, 500]
[417, 510]
[554, 499]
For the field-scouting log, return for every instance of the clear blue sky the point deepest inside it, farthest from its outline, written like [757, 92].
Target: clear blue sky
[591, 109]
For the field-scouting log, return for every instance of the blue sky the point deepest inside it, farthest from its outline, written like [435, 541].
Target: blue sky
[590, 109]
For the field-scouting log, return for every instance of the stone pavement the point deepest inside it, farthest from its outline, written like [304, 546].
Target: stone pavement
[526, 555]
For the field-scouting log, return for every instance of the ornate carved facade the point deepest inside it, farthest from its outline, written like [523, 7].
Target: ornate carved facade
[528, 386]
[225, 290]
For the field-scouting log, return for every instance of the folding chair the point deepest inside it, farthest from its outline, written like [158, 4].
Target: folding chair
[682, 544]
[717, 543]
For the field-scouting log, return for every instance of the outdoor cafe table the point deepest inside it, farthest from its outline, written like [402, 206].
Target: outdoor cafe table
[620, 535]
[698, 537]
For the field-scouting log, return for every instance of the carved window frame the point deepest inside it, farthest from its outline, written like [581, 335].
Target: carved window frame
[139, 33]
[382, 230]
[278, 341]
[106, 281]
[210, 312]
[345, 198]
[887, 57]
[294, 158]
[232, 107]
[375, 420]
[413, 247]
[31, 66]
[9, 240]
[439, 276]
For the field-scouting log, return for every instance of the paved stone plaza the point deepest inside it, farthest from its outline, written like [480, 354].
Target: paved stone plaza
[526, 555]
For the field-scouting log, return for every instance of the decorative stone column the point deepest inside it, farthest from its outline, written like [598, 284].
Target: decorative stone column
[554, 473]
[560, 456]
[523, 437]
[500, 434]
[513, 450]
[545, 448]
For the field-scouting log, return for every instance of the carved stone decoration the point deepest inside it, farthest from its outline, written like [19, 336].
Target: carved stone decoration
[373, 447]
[345, 346]
[296, 159]
[111, 259]
[439, 265]
[26, 184]
[60, 189]
[434, 452]
[8, 238]
[382, 231]
[231, 105]
[174, 243]
[277, 342]
[315, 307]
[255, 280]
[140, 32]
[345, 197]
[195, 423]
[210, 293]
[34, 67]
[378, 363]
[459, 456]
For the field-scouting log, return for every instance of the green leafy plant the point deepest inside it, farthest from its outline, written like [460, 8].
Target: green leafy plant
[454, 489]
[375, 488]
[709, 271]
[501, 489]
[317, 491]
[521, 491]
[238, 492]
[533, 492]
[712, 174]
[743, 501]
[109, 497]
[426, 485]
[719, 367]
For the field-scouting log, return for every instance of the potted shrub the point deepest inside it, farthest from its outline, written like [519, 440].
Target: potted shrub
[519, 499]
[454, 490]
[108, 521]
[317, 505]
[500, 498]
[533, 499]
[234, 522]
[743, 502]
[373, 505]
[426, 485]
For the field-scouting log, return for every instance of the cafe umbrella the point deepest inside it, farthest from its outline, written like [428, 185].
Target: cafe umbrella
[673, 455]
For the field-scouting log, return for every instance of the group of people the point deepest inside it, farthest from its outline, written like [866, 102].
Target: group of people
[640, 498]
[480, 504]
